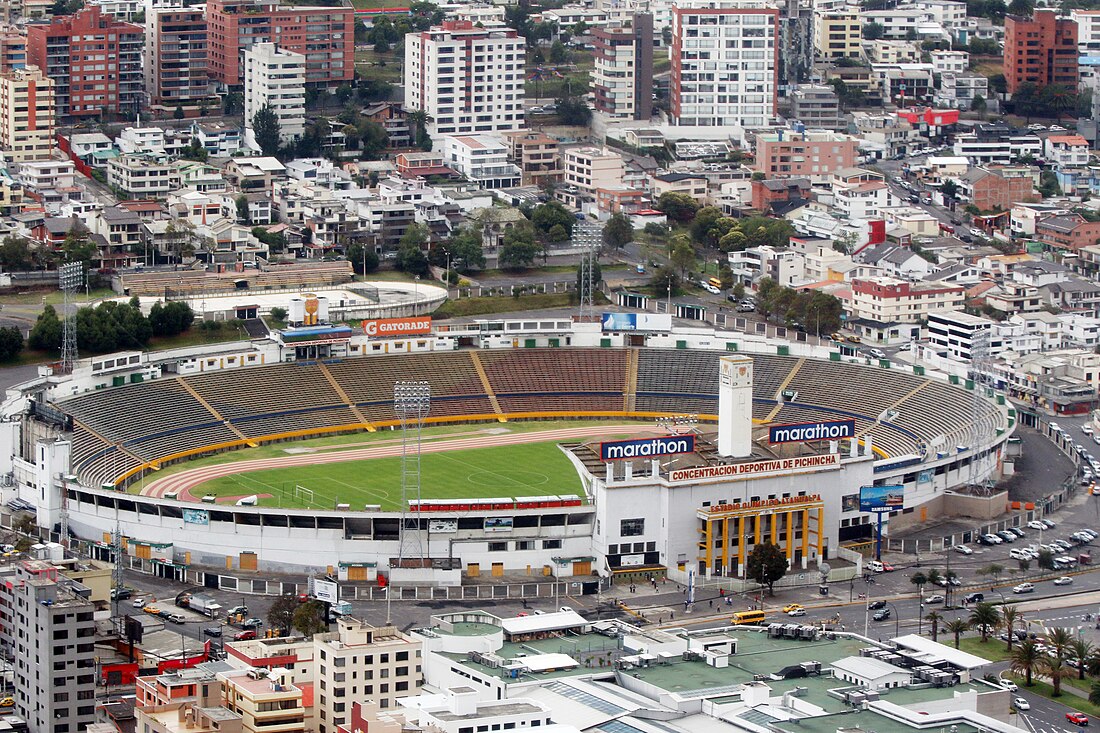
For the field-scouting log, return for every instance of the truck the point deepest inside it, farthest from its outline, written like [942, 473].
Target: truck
[205, 605]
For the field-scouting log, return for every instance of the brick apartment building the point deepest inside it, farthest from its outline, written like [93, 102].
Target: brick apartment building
[993, 189]
[324, 35]
[175, 68]
[94, 60]
[1071, 231]
[770, 194]
[814, 154]
[1041, 50]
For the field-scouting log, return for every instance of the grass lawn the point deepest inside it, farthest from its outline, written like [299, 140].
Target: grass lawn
[372, 4]
[378, 66]
[993, 649]
[195, 336]
[1067, 698]
[482, 306]
[474, 473]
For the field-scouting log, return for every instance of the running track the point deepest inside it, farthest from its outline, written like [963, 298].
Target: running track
[182, 483]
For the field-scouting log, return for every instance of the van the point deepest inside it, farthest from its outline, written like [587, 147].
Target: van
[742, 618]
[176, 618]
[876, 567]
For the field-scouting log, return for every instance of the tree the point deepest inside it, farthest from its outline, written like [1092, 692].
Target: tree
[665, 282]
[766, 564]
[1094, 693]
[266, 128]
[725, 274]
[281, 614]
[956, 627]
[979, 105]
[518, 249]
[1026, 659]
[574, 111]
[546, 216]
[1079, 651]
[677, 206]
[1025, 100]
[363, 258]
[683, 255]
[78, 246]
[411, 257]
[1021, 7]
[934, 618]
[985, 617]
[1046, 559]
[170, 319]
[993, 570]
[46, 334]
[998, 84]
[373, 139]
[179, 113]
[278, 314]
[1053, 662]
[242, 209]
[1010, 615]
[16, 254]
[558, 53]
[309, 618]
[618, 231]
[949, 188]
[935, 577]
[11, 343]
[465, 250]
[873, 31]
[1057, 99]
[919, 579]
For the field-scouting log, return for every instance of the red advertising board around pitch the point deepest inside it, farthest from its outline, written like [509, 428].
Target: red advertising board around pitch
[398, 326]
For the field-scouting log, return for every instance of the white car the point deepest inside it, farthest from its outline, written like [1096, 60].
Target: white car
[1019, 553]
[1064, 580]
[1008, 684]
[877, 353]
[976, 232]
[1057, 128]
[937, 598]
[1021, 704]
[1036, 524]
[797, 612]
[1086, 429]
[1023, 588]
[963, 550]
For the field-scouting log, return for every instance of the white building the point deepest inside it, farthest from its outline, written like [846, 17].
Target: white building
[955, 62]
[277, 79]
[997, 150]
[784, 266]
[859, 193]
[898, 24]
[958, 90]
[481, 158]
[725, 64]
[467, 80]
[592, 168]
[1067, 151]
[1088, 31]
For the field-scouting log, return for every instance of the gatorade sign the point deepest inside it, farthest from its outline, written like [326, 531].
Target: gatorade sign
[398, 326]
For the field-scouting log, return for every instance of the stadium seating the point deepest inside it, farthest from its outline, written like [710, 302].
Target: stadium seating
[272, 389]
[528, 371]
[372, 380]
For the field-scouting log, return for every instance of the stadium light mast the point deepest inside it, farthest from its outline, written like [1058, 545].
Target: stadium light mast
[586, 234]
[980, 421]
[411, 402]
[70, 276]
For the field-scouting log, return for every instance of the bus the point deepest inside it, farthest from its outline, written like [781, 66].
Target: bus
[742, 618]
[715, 283]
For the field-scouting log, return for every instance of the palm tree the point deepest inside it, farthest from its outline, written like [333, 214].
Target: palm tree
[1053, 667]
[1059, 641]
[1026, 659]
[986, 617]
[919, 579]
[934, 618]
[956, 626]
[1080, 651]
[1093, 663]
[1010, 615]
[1094, 693]
[934, 576]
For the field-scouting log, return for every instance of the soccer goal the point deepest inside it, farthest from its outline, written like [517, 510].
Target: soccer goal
[302, 494]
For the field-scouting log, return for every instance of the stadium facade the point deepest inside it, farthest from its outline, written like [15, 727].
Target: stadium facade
[116, 420]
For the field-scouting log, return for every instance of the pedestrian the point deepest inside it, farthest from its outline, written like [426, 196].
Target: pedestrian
[671, 615]
[710, 603]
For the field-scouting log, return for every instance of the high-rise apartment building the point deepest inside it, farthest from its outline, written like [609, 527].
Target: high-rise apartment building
[467, 80]
[838, 35]
[276, 78]
[27, 114]
[13, 50]
[52, 635]
[176, 56]
[1041, 50]
[94, 60]
[622, 77]
[324, 35]
[725, 60]
[1088, 31]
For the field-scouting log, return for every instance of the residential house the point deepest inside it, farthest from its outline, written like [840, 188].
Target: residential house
[1069, 231]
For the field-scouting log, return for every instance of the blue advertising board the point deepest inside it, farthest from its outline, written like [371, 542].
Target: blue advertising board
[636, 321]
[803, 432]
[881, 498]
[621, 450]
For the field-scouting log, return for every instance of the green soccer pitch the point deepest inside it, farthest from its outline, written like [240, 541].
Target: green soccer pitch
[534, 469]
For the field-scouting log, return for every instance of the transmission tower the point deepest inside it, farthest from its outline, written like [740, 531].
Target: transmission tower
[980, 419]
[411, 402]
[70, 277]
[586, 236]
[116, 556]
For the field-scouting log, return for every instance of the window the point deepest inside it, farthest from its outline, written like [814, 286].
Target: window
[631, 527]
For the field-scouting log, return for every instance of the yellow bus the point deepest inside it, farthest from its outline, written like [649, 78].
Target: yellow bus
[742, 618]
[715, 283]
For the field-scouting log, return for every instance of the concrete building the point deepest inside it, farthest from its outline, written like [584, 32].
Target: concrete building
[187, 718]
[955, 62]
[362, 661]
[814, 154]
[1066, 151]
[622, 77]
[324, 35]
[94, 60]
[275, 78]
[817, 107]
[13, 50]
[537, 156]
[592, 168]
[143, 175]
[959, 90]
[1088, 31]
[996, 189]
[838, 36]
[52, 631]
[890, 300]
[27, 114]
[481, 158]
[267, 700]
[1068, 232]
[725, 61]
[1041, 50]
[176, 57]
[467, 80]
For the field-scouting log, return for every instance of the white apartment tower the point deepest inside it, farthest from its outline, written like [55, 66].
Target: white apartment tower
[277, 78]
[725, 62]
[467, 80]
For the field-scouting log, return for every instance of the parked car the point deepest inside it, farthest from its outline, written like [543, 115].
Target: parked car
[1049, 523]
[1064, 580]
[1077, 718]
[252, 623]
[1019, 553]
[1021, 704]
[963, 550]
[1023, 588]
[247, 635]
[1007, 536]
[1036, 524]
[1017, 531]
[935, 598]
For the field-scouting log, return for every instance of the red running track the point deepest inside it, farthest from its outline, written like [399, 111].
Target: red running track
[182, 483]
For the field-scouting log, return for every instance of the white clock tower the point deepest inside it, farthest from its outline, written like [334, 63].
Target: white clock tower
[735, 406]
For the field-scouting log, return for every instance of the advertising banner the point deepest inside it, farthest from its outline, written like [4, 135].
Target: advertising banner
[196, 516]
[325, 590]
[498, 524]
[636, 321]
[398, 326]
[881, 498]
[621, 450]
[805, 432]
[756, 469]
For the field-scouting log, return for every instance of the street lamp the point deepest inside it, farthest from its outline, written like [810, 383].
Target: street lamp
[897, 619]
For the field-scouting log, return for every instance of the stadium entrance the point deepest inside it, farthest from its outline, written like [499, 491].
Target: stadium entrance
[727, 531]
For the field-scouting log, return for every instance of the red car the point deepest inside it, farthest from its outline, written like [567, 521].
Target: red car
[249, 635]
[1077, 718]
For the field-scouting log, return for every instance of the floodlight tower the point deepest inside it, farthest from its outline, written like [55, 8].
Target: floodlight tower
[586, 235]
[411, 402]
[70, 277]
[981, 425]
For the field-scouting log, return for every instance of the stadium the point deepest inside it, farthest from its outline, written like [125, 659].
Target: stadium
[283, 454]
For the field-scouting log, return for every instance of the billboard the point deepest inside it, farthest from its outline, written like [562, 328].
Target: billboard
[881, 498]
[804, 432]
[196, 516]
[636, 321]
[325, 590]
[442, 526]
[756, 469]
[498, 524]
[398, 326]
[621, 450]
